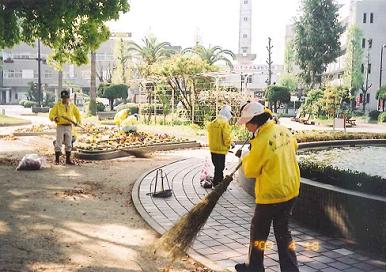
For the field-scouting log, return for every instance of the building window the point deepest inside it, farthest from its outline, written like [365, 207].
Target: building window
[245, 2]
[371, 18]
[368, 98]
[245, 50]
[16, 96]
[363, 43]
[12, 73]
[249, 79]
[364, 17]
[369, 68]
[362, 68]
[245, 36]
[370, 43]
[245, 19]
[48, 74]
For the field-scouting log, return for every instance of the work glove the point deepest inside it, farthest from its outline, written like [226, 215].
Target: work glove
[238, 153]
[56, 119]
[233, 145]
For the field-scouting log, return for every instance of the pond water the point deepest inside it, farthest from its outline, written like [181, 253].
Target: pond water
[368, 159]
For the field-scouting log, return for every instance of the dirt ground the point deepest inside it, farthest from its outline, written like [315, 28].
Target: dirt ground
[74, 218]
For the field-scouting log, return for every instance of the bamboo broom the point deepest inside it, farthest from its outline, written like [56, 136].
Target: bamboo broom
[179, 238]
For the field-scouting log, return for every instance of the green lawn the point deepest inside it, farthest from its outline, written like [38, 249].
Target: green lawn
[12, 121]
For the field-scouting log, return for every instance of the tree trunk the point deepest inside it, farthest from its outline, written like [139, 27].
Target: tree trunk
[92, 105]
[60, 86]
[111, 102]
[364, 102]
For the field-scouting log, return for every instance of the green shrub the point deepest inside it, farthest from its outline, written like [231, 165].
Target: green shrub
[320, 136]
[21, 102]
[382, 117]
[358, 113]
[100, 106]
[347, 179]
[373, 115]
[29, 104]
[131, 106]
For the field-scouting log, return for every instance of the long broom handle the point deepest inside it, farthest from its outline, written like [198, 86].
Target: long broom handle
[71, 121]
[239, 165]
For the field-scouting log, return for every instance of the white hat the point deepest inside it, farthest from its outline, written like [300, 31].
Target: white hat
[249, 111]
[226, 112]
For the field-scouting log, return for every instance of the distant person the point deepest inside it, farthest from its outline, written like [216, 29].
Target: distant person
[130, 123]
[120, 116]
[272, 163]
[61, 113]
[220, 141]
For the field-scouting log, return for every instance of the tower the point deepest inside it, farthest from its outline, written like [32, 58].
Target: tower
[245, 55]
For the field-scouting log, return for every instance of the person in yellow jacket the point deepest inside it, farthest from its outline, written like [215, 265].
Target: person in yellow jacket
[272, 163]
[120, 116]
[220, 140]
[59, 114]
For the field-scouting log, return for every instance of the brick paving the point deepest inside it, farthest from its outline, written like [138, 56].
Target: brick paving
[224, 239]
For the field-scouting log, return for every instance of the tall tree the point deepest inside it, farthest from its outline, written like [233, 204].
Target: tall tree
[353, 77]
[92, 106]
[185, 76]
[278, 95]
[71, 28]
[289, 57]
[317, 38]
[269, 61]
[212, 55]
[150, 52]
[366, 85]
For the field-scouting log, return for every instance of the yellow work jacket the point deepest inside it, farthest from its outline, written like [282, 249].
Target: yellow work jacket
[272, 162]
[219, 136]
[120, 116]
[70, 111]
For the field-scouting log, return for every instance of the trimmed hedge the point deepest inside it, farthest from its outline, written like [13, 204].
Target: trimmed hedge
[382, 117]
[320, 136]
[347, 179]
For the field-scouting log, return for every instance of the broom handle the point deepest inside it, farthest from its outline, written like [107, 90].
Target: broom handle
[239, 165]
[71, 121]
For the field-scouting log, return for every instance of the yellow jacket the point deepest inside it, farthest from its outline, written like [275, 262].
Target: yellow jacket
[70, 111]
[129, 121]
[120, 116]
[272, 162]
[219, 136]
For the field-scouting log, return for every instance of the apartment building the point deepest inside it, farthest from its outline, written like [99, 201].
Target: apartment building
[20, 67]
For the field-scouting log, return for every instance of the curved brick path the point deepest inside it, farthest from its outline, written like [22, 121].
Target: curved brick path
[224, 240]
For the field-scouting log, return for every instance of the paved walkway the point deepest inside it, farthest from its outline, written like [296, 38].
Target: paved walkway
[224, 240]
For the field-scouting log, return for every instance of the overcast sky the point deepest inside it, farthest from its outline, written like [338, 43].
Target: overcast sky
[215, 21]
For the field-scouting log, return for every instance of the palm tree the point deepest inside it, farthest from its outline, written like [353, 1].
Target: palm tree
[212, 55]
[150, 53]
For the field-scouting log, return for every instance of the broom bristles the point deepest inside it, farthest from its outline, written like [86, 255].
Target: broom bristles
[180, 237]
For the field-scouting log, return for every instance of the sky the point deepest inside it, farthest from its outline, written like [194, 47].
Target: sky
[215, 22]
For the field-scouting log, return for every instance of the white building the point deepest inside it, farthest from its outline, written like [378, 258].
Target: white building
[19, 67]
[245, 55]
[370, 17]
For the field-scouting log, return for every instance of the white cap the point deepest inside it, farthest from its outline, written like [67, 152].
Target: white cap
[249, 111]
[226, 112]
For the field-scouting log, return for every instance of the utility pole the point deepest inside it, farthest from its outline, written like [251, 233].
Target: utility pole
[380, 76]
[269, 61]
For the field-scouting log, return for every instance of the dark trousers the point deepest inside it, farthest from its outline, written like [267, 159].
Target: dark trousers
[218, 161]
[264, 215]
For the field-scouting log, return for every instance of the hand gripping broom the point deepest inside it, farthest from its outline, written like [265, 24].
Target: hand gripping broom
[178, 239]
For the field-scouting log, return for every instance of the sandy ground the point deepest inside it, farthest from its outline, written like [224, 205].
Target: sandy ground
[75, 218]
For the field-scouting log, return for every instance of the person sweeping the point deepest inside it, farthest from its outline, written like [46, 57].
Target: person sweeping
[64, 114]
[220, 141]
[272, 163]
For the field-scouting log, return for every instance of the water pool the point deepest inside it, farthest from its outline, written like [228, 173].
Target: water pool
[368, 159]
